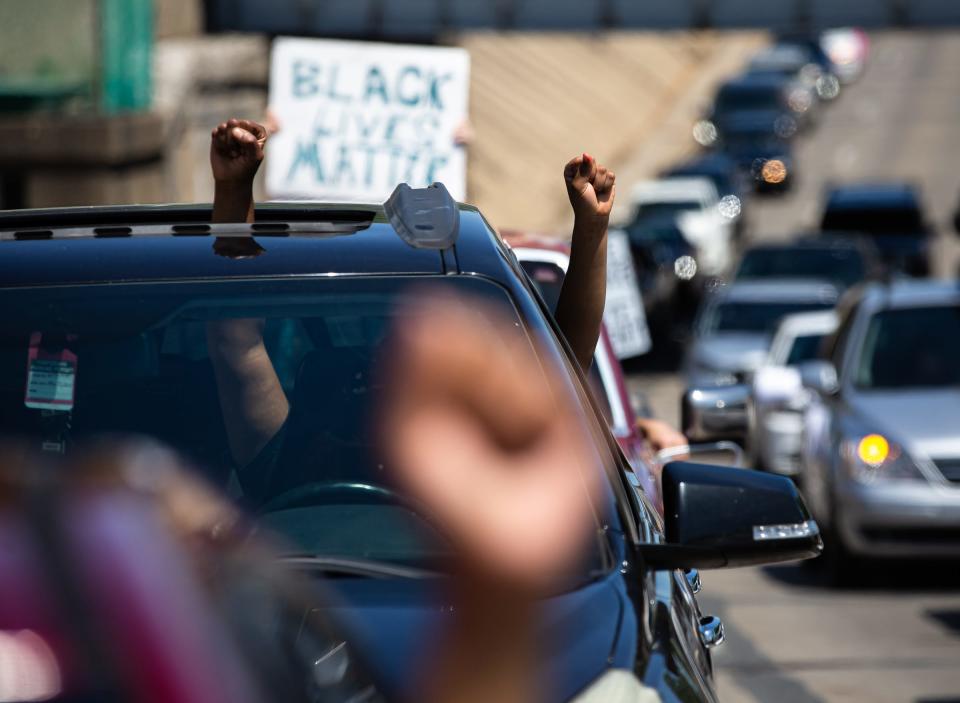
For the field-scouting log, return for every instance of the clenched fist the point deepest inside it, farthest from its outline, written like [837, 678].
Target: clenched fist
[236, 150]
[477, 433]
[591, 189]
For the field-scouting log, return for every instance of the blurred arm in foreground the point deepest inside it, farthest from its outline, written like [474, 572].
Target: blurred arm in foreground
[479, 456]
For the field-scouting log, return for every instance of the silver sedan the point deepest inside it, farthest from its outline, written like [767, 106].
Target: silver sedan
[881, 464]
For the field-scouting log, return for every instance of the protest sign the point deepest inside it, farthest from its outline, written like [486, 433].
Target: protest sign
[356, 118]
[623, 312]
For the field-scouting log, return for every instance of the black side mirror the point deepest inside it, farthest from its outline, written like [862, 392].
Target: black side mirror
[719, 517]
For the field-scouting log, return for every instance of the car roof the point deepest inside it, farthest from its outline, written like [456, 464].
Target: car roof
[779, 56]
[808, 323]
[673, 189]
[532, 241]
[778, 290]
[756, 81]
[713, 162]
[909, 293]
[175, 242]
[857, 195]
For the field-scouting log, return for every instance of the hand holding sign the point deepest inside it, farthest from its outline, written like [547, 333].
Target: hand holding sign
[236, 150]
[591, 189]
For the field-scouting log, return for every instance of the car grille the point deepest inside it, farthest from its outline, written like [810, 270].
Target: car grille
[950, 468]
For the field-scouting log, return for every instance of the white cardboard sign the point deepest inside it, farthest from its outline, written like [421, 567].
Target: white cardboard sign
[356, 118]
[623, 312]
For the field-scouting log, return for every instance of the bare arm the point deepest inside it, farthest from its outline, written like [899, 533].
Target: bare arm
[591, 189]
[252, 400]
[503, 439]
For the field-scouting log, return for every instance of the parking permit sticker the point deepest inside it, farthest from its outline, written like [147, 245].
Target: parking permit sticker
[51, 377]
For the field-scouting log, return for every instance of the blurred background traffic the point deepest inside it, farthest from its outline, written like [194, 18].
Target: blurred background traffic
[785, 170]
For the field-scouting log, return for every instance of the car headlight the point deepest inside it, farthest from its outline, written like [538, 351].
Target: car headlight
[870, 457]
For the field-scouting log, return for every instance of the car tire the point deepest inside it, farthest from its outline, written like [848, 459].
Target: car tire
[839, 566]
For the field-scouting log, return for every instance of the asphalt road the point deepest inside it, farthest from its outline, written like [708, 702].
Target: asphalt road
[789, 638]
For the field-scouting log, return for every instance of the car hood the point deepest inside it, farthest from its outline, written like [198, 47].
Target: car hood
[925, 421]
[731, 352]
[394, 626]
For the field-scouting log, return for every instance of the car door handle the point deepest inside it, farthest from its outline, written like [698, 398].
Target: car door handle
[711, 631]
[693, 579]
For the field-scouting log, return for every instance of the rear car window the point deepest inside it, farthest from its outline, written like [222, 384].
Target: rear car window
[839, 265]
[874, 220]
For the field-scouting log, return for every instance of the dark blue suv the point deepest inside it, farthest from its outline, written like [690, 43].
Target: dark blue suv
[129, 291]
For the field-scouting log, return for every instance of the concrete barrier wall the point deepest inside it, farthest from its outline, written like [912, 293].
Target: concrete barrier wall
[428, 19]
[628, 98]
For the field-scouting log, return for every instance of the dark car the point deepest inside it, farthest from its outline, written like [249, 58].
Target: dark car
[730, 181]
[842, 262]
[890, 214]
[117, 303]
[762, 98]
[763, 156]
[666, 265]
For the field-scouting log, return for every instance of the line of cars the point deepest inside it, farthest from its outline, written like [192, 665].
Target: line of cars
[685, 225]
[829, 358]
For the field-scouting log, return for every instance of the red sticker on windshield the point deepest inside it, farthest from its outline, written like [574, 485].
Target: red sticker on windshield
[51, 377]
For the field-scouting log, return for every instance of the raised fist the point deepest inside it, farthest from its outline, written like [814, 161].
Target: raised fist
[591, 189]
[236, 150]
[477, 432]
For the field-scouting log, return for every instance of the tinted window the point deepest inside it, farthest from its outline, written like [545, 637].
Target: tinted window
[911, 348]
[844, 266]
[874, 220]
[804, 348]
[733, 98]
[753, 317]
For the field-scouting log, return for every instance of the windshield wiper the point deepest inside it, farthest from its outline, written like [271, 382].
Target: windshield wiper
[367, 568]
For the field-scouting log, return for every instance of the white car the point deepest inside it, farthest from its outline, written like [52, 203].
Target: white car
[779, 398]
[694, 203]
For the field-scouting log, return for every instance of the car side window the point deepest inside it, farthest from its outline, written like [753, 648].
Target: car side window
[836, 344]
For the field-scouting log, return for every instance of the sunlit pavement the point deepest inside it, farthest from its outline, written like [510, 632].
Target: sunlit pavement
[790, 639]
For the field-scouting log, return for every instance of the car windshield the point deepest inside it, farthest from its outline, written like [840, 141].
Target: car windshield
[874, 220]
[759, 317]
[804, 348]
[142, 368]
[661, 210]
[838, 265]
[929, 360]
